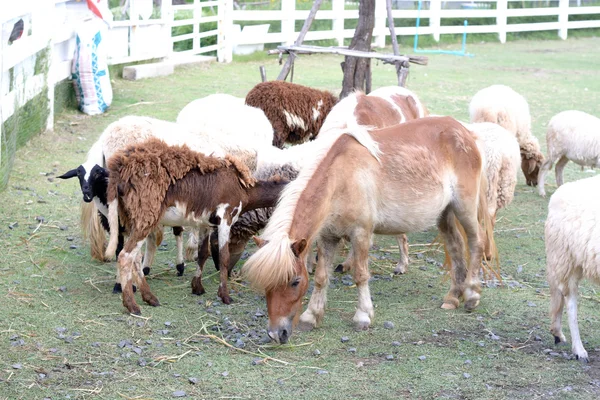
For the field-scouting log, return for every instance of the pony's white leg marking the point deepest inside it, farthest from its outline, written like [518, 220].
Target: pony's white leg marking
[364, 311]
[576, 344]
[316, 305]
[361, 241]
[403, 250]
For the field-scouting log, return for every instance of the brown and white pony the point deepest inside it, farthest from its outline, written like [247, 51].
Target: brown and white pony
[415, 175]
[383, 107]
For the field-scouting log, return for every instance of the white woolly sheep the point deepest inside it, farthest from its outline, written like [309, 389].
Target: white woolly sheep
[502, 105]
[572, 135]
[501, 163]
[223, 114]
[572, 252]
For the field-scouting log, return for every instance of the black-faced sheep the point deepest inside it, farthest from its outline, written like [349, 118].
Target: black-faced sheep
[152, 184]
[503, 106]
[571, 136]
[572, 234]
[296, 112]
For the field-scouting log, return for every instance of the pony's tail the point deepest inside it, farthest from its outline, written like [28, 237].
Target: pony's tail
[92, 230]
[491, 268]
[113, 225]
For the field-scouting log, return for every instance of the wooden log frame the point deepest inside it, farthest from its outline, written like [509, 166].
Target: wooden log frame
[400, 61]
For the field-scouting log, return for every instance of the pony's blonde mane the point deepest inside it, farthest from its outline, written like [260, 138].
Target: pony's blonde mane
[273, 264]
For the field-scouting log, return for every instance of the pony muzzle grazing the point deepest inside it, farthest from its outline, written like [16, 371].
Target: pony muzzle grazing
[284, 301]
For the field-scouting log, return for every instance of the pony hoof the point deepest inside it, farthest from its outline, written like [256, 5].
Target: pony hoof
[471, 304]
[226, 300]
[180, 268]
[135, 310]
[449, 306]
[117, 288]
[361, 326]
[305, 326]
[339, 268]
[399, 270]
[146, 271]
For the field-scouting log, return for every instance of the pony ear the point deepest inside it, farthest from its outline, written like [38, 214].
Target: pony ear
[69, 174]
[298, 246]
[259, 242]
[532, 164]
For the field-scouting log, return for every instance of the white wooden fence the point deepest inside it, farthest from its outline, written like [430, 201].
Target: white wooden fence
[52, 23]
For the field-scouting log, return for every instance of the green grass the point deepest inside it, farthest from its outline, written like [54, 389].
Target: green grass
[45, 284]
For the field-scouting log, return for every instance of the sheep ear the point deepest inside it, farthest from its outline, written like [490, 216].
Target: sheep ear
[69, 174]
[298, 246]
[532, 165]
[259, 242]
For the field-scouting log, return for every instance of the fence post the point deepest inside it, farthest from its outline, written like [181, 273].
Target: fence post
[563, 19]
[167, 16]
[196, 15]
[337, 6]
[288, 24]
[501, 19]
[225, 31]
[435, 7]
[379, 30]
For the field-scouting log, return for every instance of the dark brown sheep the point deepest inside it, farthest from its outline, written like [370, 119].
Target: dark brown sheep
[152, 183]
[295, 111]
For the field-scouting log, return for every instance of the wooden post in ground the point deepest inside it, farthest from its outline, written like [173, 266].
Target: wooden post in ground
[291, 57]
[401, 67]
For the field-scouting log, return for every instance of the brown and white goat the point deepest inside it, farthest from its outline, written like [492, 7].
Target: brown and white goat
[295, 111]
[152, 183]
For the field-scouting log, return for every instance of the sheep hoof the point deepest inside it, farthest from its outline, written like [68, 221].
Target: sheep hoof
[339, 268]
[146, 271]
[226, 299]
[197, 287]
[180, 268]
[118, 289]
[557, 339]
[583, 359]
[134, 309]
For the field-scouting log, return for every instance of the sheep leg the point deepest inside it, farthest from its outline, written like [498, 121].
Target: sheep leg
[203, 253]
[403, 249]
[178, 232]
[571, 300]
[236, 249]
[223, 291]
[316, 306]
[214, 248]
[557, 302]
[191, 248]
[546, 166]
[560, 166]
[125, 264]
[487, 252]
[149, 253]
[347, 264]
[145, 291]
